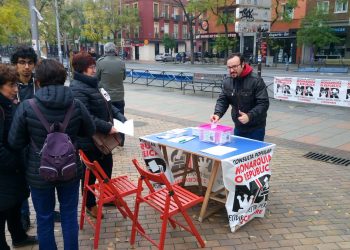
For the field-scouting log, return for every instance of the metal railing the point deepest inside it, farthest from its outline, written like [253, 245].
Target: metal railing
[159, 78]
[179, 80]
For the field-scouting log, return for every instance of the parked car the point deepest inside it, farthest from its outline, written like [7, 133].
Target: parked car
[165, 57]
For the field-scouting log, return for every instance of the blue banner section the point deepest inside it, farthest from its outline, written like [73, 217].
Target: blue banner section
[159, 76]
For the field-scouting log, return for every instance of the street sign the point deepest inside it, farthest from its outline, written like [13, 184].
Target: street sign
[252, 14]
[256, 3]
[244, 26]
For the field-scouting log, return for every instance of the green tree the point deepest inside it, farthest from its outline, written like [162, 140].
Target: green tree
[94, 26]
[118, 20]
[14, 24]
[224, 43]
[192, 10]
[169, 42]
[282, 11]
[315, 32]
[223, 9]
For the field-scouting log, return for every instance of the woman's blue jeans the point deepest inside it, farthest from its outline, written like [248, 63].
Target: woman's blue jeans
[44, 201]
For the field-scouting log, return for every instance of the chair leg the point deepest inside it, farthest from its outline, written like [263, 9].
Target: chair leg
[83, 209]
[83, 204]
[120, 206]
[163, 232]
[193, 228]
[135, 222]
[129, 214]
[98, 224]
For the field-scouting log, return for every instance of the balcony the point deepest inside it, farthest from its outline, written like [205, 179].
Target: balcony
[156, 15]
[176, 18]
[165, 16]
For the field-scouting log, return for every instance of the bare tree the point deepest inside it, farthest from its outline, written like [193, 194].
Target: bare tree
[192, 10]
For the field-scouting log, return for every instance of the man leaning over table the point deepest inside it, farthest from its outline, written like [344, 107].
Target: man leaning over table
[247, 94]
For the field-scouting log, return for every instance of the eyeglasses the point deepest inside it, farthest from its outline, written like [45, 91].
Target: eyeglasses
[92, 67]
[23, 63]
[234, 66]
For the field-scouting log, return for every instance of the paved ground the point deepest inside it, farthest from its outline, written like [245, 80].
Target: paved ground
[309, 203]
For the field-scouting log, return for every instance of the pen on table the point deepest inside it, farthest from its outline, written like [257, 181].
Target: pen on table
[182, 141]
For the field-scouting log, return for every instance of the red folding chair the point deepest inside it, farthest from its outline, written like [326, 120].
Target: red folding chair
[106, 190]
[169, 201]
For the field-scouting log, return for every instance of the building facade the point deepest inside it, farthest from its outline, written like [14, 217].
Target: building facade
[157, 18]
[338, 11]
[283, 35]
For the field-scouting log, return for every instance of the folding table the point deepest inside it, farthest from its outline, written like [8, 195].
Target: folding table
[246, 173]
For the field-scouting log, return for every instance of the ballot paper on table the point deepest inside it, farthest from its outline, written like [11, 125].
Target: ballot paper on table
[125, 128]
[182, 139]
[219, 150]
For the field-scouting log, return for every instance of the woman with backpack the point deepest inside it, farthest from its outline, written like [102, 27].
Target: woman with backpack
[13, 187]
[98, 102]
[35, 121]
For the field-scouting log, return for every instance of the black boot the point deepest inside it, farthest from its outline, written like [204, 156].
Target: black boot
[31, 240]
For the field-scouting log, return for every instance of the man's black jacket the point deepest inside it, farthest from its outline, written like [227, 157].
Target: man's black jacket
[246, 93]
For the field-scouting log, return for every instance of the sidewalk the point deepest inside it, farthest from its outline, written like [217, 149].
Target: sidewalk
[309, 200]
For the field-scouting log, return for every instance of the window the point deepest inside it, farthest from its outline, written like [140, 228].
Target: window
[136, 32]
[166, 11]
[184, 31]
[176, 12]
[288, 11]
[341, 6]
[135, 5]
[166, 28]
[156, 29]
[176, 30]
[323, 6]
[155, 10]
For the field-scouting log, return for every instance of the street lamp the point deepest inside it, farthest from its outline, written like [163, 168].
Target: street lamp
[34, 15]
[58, 34]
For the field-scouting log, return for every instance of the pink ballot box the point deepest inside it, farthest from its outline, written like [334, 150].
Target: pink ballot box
[218, 134]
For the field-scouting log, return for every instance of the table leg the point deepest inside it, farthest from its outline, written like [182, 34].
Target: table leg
[196, 168]
[209, 188]
[187, 165]
[165, 154]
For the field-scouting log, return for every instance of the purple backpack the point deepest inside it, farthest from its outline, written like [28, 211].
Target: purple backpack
[58, 154]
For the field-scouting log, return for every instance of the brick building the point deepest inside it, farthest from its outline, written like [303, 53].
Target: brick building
[157, 18]
[283, 35]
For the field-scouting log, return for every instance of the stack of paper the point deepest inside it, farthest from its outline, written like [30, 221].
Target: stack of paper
[125, 128]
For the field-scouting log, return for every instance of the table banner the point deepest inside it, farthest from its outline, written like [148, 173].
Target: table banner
[318, 91]
[155, 161]
[246, 177]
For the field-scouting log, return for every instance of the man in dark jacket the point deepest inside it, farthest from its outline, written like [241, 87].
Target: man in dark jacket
[110, 72]
[247, 94]
[25, 59]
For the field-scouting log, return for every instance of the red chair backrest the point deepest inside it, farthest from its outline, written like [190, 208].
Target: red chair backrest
[148, 177]
[97, 171]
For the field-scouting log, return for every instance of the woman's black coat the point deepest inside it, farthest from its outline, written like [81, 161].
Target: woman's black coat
[85, 88]
[53, 101]
[13, 186]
